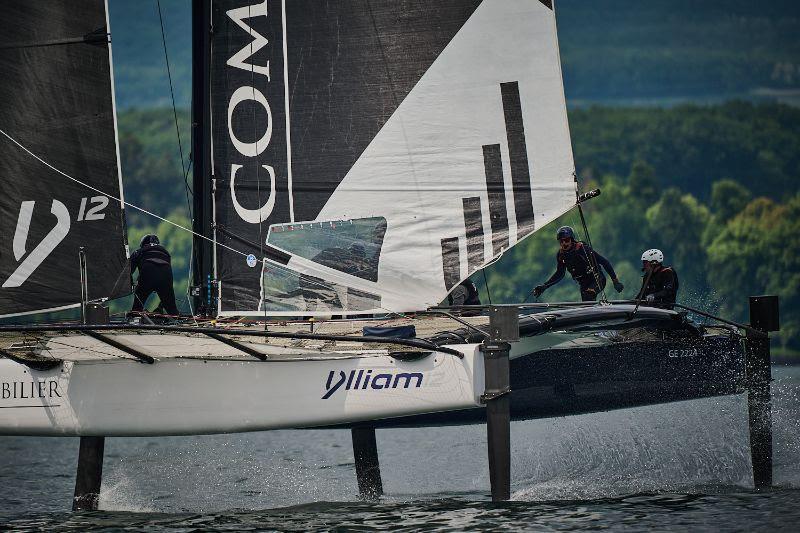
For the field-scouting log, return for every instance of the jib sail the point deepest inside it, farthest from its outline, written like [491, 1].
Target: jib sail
[387, 149]
[57, 118]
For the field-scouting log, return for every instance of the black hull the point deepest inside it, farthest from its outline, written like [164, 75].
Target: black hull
[617, 376]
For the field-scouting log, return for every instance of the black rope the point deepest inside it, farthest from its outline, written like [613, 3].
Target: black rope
[486, 283]
[592, 263]
[184, 168]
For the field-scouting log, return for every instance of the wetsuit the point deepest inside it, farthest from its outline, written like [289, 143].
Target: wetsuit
[663, 285]
[465, 293]
[155, 275]
[579, 261]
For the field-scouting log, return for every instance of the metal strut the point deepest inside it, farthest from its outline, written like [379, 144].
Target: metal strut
[764, 318]
[503, 328]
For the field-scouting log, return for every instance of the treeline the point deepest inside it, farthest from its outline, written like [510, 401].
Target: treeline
[714, 187]
[724, 250]
[610, 49]
[688, 146]
[618, 49]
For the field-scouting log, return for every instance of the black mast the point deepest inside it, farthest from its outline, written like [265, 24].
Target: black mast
[203, 257]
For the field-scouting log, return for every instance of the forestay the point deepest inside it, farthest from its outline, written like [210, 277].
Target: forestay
[377, 153]
[57, 113]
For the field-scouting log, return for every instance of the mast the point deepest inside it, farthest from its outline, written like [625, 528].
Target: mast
[202, 181]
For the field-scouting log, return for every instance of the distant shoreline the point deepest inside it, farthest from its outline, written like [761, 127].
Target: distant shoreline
[760, 94]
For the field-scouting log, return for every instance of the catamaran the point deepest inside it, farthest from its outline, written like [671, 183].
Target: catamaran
[351, 159]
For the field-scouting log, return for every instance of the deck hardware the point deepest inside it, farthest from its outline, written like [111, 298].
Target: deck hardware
[31, 360]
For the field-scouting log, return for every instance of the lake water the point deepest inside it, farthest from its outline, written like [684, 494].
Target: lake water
[682, 466]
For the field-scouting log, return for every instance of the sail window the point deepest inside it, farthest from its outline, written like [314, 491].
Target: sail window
[286, 290]
[349, 246]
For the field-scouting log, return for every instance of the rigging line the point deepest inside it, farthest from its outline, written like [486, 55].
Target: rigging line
[486, 284]
[261, 297]
[592, 263]
[95, 189]
[174, 110]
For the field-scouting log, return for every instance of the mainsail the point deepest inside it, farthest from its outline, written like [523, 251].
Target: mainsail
[373, 154]
[57, 118]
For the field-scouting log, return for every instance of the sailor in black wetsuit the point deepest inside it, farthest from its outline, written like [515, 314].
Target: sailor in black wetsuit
[661, 288]
[465, 293]
[155, 275]
[583, 264]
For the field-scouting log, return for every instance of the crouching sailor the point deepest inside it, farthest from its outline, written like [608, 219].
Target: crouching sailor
[660, 283]
[155, 275]
[465, 293]
[583, 264]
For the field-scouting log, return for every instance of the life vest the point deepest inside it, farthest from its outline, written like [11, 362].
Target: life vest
[472, 294]
[578, 263]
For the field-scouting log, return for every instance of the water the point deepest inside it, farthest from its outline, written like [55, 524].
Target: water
[678, 466]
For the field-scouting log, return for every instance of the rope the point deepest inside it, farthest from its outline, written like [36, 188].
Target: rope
[261, 298]
[128, 204]
[175, 111]
[184, 168]
[486, 283]
[145, 211]
[592, 263]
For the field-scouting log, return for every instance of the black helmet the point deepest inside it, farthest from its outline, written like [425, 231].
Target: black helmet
[565, 231]
[148, 239]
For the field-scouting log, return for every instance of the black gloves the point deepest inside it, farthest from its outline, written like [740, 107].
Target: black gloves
[618, 286]
[538, 290]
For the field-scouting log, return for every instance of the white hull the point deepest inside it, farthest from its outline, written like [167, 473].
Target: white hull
[180, 396]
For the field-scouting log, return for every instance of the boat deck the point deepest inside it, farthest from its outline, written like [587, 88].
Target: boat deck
[75, 346]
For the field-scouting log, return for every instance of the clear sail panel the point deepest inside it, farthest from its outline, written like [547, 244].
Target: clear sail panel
[288, 292]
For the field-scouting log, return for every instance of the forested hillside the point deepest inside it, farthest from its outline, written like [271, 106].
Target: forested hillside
[715, 187]
[615, 50]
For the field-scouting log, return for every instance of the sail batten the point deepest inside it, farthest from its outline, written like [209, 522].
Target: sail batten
[447, 120]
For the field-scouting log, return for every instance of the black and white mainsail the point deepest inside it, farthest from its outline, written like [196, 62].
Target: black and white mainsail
[57, 121]
[387, 149]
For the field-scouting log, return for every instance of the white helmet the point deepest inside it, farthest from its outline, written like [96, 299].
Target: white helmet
[653, 254]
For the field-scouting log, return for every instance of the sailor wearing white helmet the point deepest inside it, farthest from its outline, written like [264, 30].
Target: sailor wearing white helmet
[660, 283]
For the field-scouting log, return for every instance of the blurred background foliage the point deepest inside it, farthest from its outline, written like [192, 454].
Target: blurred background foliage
[677, 112]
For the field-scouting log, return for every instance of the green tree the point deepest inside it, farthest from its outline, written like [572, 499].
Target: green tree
[643, 182]
[728, 198]
[750, 256]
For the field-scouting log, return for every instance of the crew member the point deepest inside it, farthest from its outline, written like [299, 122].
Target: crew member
[155, 275]
[583, 264]
[660, 283]
[465, 293]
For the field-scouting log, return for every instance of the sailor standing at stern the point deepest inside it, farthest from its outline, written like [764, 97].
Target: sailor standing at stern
[155, 275]
[583, 264]
[660, 283]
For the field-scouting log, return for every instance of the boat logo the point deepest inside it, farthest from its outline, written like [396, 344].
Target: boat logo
[43, 249]
[364, 380]
[96, 205]
[29, 389]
